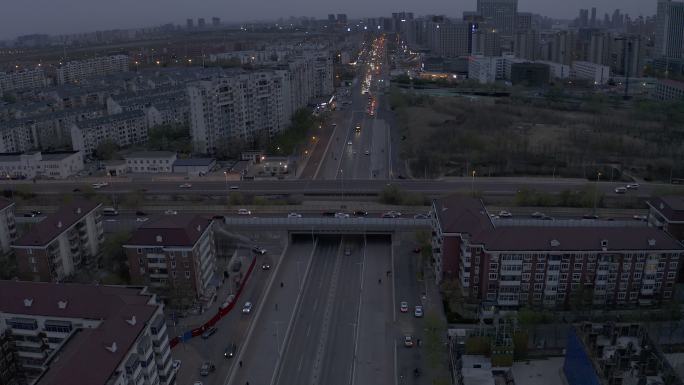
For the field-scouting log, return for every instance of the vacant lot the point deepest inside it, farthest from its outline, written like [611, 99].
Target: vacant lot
[541, 136]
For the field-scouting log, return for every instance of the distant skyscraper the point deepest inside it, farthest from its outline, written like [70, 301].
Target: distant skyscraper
[189, 23]
[201, 23]
[583, 19]
[331, 18]
[501, 13]
[669, 37]
[592, 22]
[486, 42]
[523, 21]
[449, 39]
[215, 21]
[342, 18]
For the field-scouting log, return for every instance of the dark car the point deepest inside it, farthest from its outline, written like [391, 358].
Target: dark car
[265, 266]
[140, 213]
[29, 215]
[230, 351]
[220, 217]
[360, 213]
[259, 250]
[329, 214]
[590, 216]
[76, 190]
[209, 332]
[37, 212]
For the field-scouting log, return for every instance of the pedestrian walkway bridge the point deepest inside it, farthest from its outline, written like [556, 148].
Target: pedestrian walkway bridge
[329, 225]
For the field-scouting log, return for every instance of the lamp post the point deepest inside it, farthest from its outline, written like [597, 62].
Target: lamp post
[598, 177]
[472, 184]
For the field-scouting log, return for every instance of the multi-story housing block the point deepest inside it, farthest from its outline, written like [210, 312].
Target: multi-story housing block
[84, 335]
[551, 263]
[175, 252]
[54, 165]
[22, 80]
[8, 226]
[79, 70]
[124, 129]
[56, 246]
[150, 161]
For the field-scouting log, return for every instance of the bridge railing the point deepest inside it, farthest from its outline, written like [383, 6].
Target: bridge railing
[318, 223]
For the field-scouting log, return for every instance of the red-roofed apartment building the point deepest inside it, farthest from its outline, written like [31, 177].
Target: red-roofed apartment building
[69, 334]
[8, 228]
[55, 247]
[175, 252]
[513, 263]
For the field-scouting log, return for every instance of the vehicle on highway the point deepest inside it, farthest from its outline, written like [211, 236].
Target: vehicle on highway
[633, 186]
[185, 185]
[621, 190]
[198, 383]
[140, 213]
[420, 216]
[360, 213]
[546, 218]
[109, 212]
[97, 186]
[265, 266]
[206, 368]
[590, 216]
[349, 143]
[209, 332]
[225, 304]
[358, 128]
[639, 218]
[403, 307]
[417, 250]
[247, 308]
[347, 251]
[505, 214]
[29, 215]
[259, 250]
[367, 152]
[328, 214]
[391, 214]
[142, 219]
[234, 187]
[418, 311]
[294, 215]
[218, 217]
[408, 341]
[176, 364]
[244, 212]
[341, 215]
[537, 214]
[230, 351]
[171, 212]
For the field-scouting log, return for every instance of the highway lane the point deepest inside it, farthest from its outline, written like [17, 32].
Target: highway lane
[320, 346]
[485, 185]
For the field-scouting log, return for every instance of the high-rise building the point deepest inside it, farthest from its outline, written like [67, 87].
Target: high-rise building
[58, 245]
[62, 333]
[583, 19]
[500, 13]
[526, 45]
[331, 18]
[215, 21]
[523, 21]
[78, 70]
[449, 38]
[189, 23]
[563, 47]
[600, 47]
[486, 41]
[669, 37]
[342, 18]
[175, 253]
[22, 80]
[201, 23]
[592, 21]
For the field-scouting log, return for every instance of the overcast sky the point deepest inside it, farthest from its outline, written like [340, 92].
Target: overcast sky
[18, 17]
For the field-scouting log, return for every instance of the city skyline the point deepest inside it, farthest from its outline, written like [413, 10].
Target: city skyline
[86, 16]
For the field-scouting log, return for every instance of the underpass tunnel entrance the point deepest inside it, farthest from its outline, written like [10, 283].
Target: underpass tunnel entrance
[346, 238]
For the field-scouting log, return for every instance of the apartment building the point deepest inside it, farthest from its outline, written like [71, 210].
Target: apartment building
[55, 247]
[514, 263]
[83, 335]
[8, 227]
[667, 90]
[449, 39]
[78, 70]
[486, 69]
[22, 80]
[667, 213]
[54, 165]
[596, 73]
[501, 13]
[124, 129]
[150, 161]
[175, 253]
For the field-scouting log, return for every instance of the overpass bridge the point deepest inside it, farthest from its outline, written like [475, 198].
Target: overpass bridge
[329, 225]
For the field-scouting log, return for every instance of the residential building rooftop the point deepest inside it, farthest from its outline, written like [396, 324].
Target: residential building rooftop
[150, 154]
[194, 162]
[672, 207]
[183, 230]
[54, 224]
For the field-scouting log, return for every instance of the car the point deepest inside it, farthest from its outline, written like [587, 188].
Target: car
[206, 368]
[349, 143]
[334, 124]
[537, 214]
[294, 215]
[142, 219]
[408, 341]
[358, 128]
[265, 266]
[633, 186]
[341, 215]
[225, 304]
[621, 190]
[360, 213]
[388, 214]
[546, 218]
[244, 212]
[640, 218]
[328, 213]
[230, 351]
[140, 213]
[176, 364]
[209, 332]
[420, 216]
[29, 215]
[367, 152]
[234, 187]
[259, 250]
[418, 311]
[347, 251]
[403, 307]
[198, 383]
[417, 250]
[185, 185]
[247, 308]
[505, 214]
[171, 212]
[76, 190]
[590, 216]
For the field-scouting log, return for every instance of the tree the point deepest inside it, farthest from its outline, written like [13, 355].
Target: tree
[106, 150]
[134, 200]
[434, 346]
[113, 257]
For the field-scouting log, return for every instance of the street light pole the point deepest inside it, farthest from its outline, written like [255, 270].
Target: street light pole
[472, 185]
[598, 177]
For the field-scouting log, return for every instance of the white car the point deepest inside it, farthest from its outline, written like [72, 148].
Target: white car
[349, 143]
[505, 214]
[244, 212]
[234, 187]
[247, 308]
[171, 212]
[367, 152]
[185, 185]
[418, 311]
[176, 364]
[537, 214]
[142, 219]
[633, 186]
[341, 215]
[294, 215]
[621, 190]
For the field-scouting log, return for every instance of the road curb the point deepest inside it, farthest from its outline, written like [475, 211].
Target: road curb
[286, 338]
[252, 325]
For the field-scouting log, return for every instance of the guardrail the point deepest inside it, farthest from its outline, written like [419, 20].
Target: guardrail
[330, 224]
